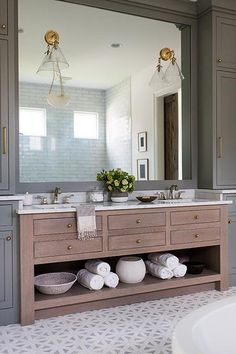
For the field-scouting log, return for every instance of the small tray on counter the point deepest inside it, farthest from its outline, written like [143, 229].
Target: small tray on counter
[146, 198]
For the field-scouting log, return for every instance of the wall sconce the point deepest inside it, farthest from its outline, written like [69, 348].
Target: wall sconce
[54, 61]
[172, 74]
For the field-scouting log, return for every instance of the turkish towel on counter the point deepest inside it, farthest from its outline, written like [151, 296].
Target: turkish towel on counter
[159, 271]
[86, 221]
[90, 280]
[97, 266]
[165, 259]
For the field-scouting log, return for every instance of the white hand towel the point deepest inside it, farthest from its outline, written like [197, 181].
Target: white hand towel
[86, 222]
[111, 280]
[97, 266]
[158, 270]
[166, 259]
[180, 270]
[90, 280]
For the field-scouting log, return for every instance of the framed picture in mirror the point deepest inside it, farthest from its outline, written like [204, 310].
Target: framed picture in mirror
[142, 141]
[142, 169]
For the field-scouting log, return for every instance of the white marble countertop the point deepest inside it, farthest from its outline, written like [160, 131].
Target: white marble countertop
[133, 204]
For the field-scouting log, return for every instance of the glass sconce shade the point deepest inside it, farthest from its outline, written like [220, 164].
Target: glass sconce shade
[158, 79]
[173, 73]
[54, 60]
[58, 101]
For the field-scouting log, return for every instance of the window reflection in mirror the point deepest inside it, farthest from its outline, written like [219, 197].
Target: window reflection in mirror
[112, 57]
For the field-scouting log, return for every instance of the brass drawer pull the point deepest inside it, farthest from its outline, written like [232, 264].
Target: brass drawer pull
[4, 129]
[138, 221]
[69, 226]
[196, 236]
[219, 60]
[69, 247]
[196, 217]
[138, 241]
[4, 26]
[8, 238]
[229, 221]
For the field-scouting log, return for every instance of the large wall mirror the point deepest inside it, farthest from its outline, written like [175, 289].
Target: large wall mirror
[114, 117]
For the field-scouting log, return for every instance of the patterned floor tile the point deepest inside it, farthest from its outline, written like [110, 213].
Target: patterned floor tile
[143, 328]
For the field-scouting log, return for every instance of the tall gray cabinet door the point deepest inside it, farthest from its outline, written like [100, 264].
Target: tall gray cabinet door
[3, 115]
[6, 269]
[3, 16]
[226, 129]
[226, 50]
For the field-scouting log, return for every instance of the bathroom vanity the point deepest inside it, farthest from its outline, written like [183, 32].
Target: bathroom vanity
[48, 242]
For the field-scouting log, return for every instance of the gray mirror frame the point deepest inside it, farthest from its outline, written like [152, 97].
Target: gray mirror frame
[164, 10]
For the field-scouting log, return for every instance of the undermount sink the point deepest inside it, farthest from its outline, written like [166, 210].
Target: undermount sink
[53, 206]
[176, 201]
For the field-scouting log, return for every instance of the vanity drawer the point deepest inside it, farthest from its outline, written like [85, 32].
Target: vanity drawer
[139, 220]
[137, 241]
[194, 216]
[66, 247]
[196, 235]
[59, 226]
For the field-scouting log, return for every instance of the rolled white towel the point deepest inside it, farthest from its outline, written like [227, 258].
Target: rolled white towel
[97, 266]
[111, 280]
[180, 270]
[166, 259]
[90, 280]
[157, 270]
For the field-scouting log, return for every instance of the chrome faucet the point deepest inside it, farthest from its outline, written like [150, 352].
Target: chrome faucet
[56, 193]
[172, 190]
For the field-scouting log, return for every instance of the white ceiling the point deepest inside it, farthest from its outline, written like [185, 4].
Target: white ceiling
[86, 34]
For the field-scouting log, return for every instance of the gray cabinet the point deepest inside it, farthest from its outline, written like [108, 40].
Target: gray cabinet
[3, 17]
[217, 101]
[9, 267]
[232, 239]
[4, 125]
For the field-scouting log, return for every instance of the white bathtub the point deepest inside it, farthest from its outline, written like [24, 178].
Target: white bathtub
[209, 330]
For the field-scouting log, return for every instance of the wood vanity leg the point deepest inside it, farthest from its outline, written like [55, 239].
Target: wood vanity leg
[26, 270]
[224, 260]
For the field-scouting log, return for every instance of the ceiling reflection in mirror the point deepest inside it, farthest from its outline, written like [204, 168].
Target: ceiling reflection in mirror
[114, 117]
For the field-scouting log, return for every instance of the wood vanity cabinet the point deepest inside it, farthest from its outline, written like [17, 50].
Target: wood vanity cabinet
[217, 82]
[49, 241]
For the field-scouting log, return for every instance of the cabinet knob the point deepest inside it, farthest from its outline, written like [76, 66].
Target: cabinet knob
[229, 221]
[196, 217]
[69, 247]
[196, 235]
[138, 221]
[3, 26]
[219, 60]
[69, 226]
[138, 241]
[8, 238]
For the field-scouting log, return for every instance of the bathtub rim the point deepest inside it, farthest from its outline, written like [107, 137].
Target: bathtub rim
[182, 337]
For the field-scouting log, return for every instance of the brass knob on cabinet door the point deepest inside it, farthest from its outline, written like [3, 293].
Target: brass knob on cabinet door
[196, 217]
[4, 26]
[219, 60]
[69, 247]
[196, 236]
[138, 221]
[229, 221]
[69, 226]
[8, 238]
[138, 241]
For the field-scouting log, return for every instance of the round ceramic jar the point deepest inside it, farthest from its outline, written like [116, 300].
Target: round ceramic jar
[131, 270]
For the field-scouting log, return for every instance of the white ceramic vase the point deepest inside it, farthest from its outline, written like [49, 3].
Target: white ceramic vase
[131, 270]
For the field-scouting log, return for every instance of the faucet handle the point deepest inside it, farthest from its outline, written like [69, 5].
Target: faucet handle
[162, 196]
[43, 199]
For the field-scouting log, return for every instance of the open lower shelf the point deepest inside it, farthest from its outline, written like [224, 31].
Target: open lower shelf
[78, 294]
